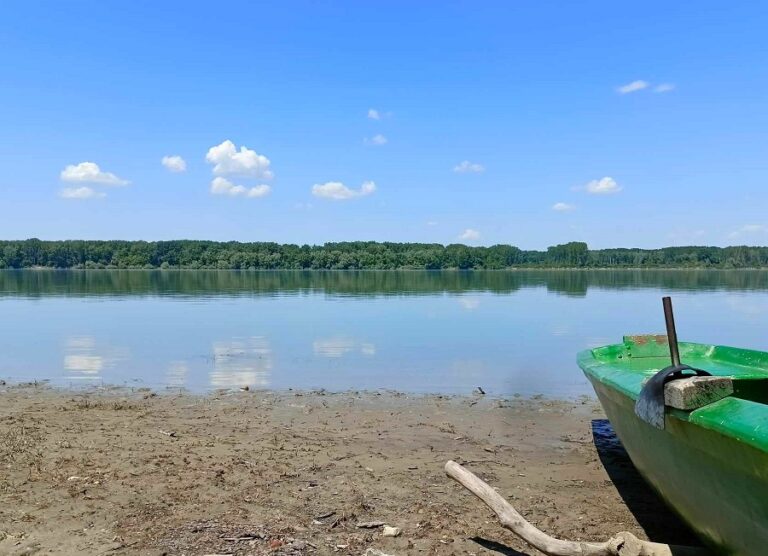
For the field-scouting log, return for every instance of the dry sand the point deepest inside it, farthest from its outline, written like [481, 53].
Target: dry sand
[130, 472]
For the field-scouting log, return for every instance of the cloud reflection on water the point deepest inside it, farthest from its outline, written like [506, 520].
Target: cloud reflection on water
[469, 303]
[177, 372]
[339, 346]
[85, 364]
[85, 359]
[242, 362]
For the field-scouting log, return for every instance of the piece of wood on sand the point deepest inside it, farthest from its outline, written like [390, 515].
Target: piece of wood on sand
[621, 544]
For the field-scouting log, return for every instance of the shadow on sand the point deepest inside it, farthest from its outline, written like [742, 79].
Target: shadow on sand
[658, 521]
[497, 547]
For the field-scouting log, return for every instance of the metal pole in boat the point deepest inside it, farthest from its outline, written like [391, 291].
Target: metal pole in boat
[669, 317]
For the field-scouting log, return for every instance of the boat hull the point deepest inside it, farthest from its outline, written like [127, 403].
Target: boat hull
[716, 483]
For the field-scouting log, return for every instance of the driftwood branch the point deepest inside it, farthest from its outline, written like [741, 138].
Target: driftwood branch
[621, 544]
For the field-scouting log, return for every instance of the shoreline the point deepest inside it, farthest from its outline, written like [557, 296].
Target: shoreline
[341, 270]
[263, 472]
[110, 389]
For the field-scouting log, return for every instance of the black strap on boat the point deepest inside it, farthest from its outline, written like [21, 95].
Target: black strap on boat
[650, 404]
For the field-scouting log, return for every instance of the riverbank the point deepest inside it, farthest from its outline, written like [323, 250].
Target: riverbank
[129, 472]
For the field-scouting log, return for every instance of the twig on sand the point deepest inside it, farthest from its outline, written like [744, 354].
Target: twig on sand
[166, 433]
[621, 544]
[370, 524]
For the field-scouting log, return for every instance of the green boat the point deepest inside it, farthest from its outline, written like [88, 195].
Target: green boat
[709, 463]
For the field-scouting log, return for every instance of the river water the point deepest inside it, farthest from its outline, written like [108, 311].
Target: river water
[510, 332]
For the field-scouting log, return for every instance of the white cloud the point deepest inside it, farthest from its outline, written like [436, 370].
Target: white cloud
[377, 140]
[468, 167]
[80, 193]
[339, 192]
[664, 88]
[260, 190]
[603, 186]
[227, 160]
[633, 87]
[378, 115]
[89, 172]
[222, 186]
[174, 163]
[563, 207]
[470, 235]
[749, 229]
[432, 222]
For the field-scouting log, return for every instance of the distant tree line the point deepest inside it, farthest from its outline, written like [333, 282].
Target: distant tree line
[357, 255]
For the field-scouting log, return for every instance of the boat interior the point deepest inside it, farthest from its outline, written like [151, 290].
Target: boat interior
[641, 356]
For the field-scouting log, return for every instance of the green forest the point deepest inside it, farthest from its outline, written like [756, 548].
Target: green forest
[357, 255]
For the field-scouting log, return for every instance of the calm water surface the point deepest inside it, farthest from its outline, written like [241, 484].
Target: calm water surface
[448, 332]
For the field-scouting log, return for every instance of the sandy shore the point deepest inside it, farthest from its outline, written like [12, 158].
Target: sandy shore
[131, 472]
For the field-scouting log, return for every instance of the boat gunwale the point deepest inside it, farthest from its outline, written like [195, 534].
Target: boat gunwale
[739, 418]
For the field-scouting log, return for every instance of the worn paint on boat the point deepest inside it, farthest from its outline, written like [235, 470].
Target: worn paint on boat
[709, 464]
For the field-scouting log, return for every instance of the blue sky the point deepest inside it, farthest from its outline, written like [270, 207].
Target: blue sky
[645, 123]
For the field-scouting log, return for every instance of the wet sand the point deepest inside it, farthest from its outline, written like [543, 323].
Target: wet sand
[121, 471]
